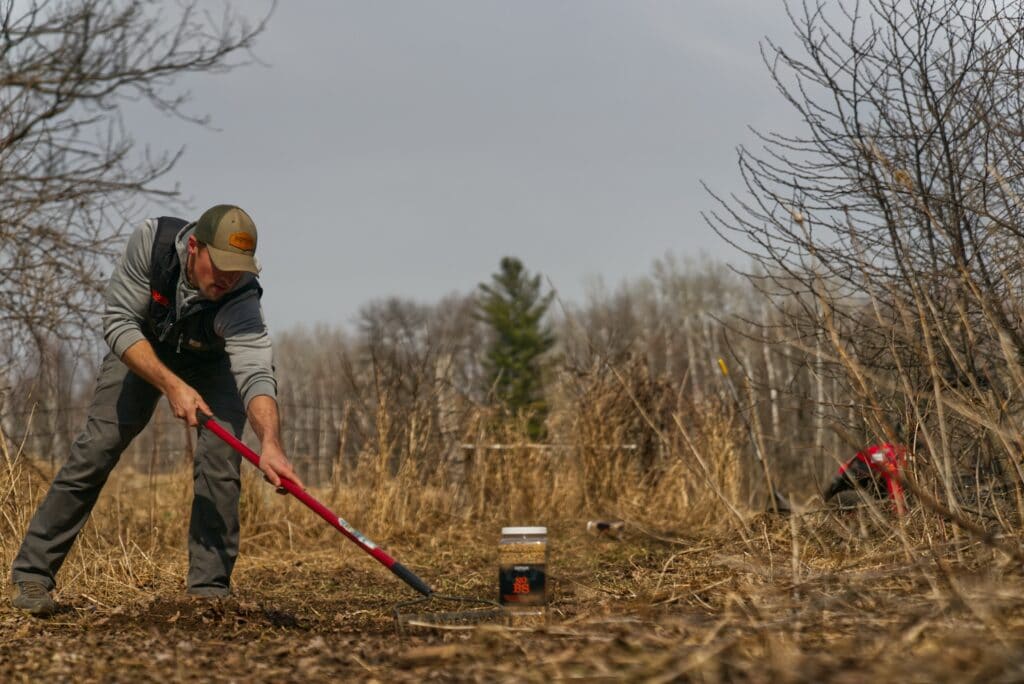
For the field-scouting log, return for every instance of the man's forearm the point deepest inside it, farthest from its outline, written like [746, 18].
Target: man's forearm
[143, 361]
[185, 402]
[266, 423]
[265, 420]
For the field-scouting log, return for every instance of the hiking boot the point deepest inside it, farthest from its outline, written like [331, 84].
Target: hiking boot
[34, 598]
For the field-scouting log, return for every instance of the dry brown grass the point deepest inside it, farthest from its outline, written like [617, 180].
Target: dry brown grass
[702, 586]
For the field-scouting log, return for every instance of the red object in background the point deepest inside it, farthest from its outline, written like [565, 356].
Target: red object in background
[879, 461]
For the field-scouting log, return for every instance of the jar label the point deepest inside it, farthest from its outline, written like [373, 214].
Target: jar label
[522, 584]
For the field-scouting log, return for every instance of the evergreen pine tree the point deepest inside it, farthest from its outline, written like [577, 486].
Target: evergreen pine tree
[513, 306]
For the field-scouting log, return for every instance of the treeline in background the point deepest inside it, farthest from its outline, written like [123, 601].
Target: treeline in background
[570, 407]
[626, 414]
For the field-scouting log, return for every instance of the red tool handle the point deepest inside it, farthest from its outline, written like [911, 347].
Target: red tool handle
[305, 497]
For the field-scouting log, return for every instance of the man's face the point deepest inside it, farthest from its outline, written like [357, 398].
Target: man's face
[211, 282]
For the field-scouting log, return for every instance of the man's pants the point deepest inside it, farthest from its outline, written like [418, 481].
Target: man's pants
[122, 405]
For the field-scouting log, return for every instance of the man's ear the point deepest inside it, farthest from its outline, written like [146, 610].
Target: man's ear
[193, 244]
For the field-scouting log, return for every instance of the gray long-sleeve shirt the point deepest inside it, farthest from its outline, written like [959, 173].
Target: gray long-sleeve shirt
[239, 321]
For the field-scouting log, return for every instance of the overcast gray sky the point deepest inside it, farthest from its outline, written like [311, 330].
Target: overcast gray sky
[403, 148]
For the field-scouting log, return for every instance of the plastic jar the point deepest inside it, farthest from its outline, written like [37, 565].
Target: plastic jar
[522, 573]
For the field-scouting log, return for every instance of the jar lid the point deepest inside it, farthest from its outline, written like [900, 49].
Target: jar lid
[524, 530]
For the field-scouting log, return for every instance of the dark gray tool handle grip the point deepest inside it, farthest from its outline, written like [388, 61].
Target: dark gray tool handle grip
[410, 578]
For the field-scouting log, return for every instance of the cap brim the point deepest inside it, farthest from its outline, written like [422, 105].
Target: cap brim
[233, 261]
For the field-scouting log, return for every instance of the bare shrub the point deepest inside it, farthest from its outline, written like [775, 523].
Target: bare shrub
[886, 232]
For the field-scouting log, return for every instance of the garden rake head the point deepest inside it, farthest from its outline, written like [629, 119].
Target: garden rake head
[478, 610]
[440, 612]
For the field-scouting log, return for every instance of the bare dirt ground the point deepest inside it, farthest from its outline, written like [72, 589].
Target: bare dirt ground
[843, 603]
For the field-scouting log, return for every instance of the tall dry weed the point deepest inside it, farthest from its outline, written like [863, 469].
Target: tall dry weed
[614, 451]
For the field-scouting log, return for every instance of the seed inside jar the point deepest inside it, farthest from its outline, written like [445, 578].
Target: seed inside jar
[522, 553]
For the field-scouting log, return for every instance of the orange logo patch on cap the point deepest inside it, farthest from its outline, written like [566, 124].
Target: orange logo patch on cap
[242, 241]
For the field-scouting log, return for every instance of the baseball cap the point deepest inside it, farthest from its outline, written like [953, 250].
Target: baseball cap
[230, 235]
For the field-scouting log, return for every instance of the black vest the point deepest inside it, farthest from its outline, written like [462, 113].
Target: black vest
[193, 333]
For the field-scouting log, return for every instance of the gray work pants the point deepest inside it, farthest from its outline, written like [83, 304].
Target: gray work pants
[121, 407]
